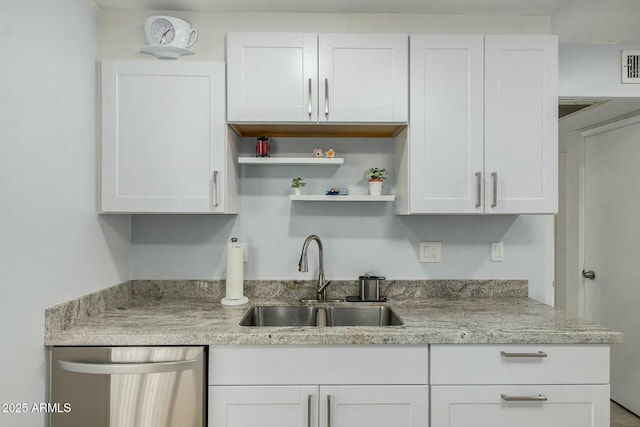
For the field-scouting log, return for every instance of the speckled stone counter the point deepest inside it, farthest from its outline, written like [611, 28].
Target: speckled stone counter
[187, 313]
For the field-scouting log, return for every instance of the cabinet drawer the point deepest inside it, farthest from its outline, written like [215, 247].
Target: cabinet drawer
[522, 406]
[283, 364]
[520, 364]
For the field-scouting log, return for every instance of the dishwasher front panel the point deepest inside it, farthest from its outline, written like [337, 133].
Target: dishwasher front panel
[128, 386]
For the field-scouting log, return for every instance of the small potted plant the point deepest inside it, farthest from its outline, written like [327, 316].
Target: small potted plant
[376, 176]
[297, 184]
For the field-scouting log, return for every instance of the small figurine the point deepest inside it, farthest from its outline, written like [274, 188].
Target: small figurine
[330, 153]
[317, 152]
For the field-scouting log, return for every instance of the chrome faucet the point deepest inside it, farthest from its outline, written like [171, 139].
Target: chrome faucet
[303, 266]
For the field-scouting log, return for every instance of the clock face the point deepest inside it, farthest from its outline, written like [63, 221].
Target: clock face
[162, 31]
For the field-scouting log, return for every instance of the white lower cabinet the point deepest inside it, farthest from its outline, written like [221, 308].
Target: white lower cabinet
[311, 406]
[519, 385]
[456, 385]
[277, 406]
[318, 386]
[522, 406]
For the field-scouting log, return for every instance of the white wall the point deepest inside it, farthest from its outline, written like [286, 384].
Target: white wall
[560, 250]
[123, 30]
[357, 237]
[586, 71]
[593, 70]
[53, 246]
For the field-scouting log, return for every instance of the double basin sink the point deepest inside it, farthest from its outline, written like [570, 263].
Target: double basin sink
[306, 315]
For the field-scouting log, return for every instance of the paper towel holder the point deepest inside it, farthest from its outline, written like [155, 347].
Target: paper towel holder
[230, 302]
[238, 279]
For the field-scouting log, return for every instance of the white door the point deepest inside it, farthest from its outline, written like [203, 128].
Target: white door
[374, 406]
[265, 406]
[521, 406]
[447, 124]
[363, 77]
[611, 237]
[521, 124]
[272, 77]
[163, 136]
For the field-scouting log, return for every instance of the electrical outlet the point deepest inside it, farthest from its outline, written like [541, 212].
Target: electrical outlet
[430, 251]
[497, 251]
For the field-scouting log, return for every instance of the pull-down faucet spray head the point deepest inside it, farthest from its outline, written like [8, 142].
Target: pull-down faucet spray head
[303, 264]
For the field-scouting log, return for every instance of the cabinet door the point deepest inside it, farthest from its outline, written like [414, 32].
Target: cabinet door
[272, 77]
[374, 406]
[521, 124]
[363, 77]
[163, 136]
[446, 133]
[271, 406]
[549, 406]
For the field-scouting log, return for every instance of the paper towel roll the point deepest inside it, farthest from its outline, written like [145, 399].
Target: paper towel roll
[235, 277]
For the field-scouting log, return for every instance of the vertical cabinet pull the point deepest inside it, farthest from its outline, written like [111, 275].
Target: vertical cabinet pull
[478, 189]
[494, 176]
[309, 97]
[326, 97]
[214, 185]
[328, 410]
[538, 398]
[309, 410]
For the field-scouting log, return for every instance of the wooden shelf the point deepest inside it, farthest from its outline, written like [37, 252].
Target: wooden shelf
[348, 198]
[290, 161]
[318, 130]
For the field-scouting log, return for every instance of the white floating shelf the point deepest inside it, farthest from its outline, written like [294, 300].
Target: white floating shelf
[349, 198]
[290, 161]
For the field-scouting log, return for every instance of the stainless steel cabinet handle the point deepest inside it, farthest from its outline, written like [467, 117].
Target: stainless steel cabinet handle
[214, 183]
[538, 398]
[127, 368]
[309, 97]
[326, 97]
[590, 274]
[328, 410]
[494, 175]
[309, 396]
[538, 354]
[478, 189]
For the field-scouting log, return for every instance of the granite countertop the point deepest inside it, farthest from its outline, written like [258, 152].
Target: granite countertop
[170, 319]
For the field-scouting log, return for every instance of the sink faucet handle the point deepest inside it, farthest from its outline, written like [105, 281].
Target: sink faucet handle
[324, 286]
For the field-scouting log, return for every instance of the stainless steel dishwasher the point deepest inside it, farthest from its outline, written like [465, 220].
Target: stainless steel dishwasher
[128, 386]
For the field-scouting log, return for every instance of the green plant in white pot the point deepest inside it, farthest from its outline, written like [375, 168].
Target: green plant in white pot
[297, 184]
[376, 177]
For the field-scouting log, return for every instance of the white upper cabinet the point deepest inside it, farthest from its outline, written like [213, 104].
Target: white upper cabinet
[483, 126]
[521, 124]
[164, 143]
[272, 77]
[363, 77]
[447, 125]
[291, 77]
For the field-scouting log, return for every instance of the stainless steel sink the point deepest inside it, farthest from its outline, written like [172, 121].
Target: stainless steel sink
[280, 316]
[371, 315]
[310, 315]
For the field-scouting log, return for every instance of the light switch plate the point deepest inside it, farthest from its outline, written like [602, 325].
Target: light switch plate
[430, 251]
[497, 251]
